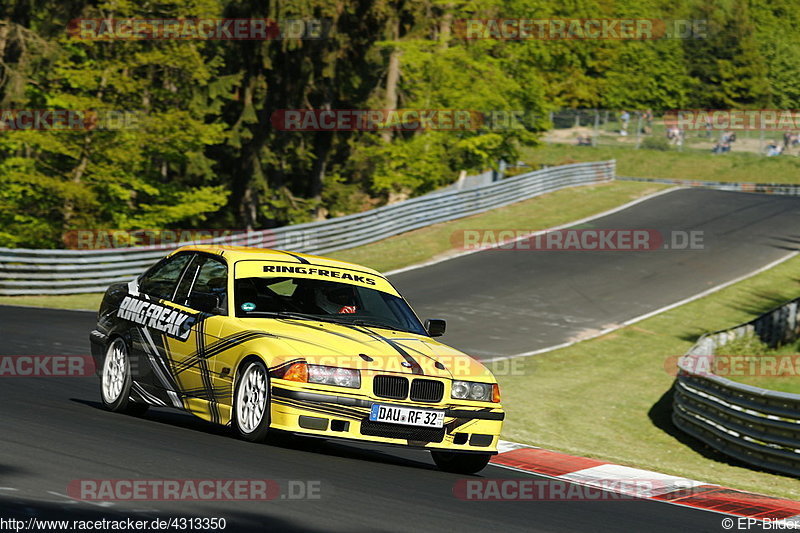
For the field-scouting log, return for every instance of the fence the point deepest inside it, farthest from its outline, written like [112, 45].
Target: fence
[603, 127]
[24, 271]
[758, 426]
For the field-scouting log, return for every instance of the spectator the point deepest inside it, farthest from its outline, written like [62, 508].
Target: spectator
[773, 149]
[675, 135]
[625, 118]
[648, 122]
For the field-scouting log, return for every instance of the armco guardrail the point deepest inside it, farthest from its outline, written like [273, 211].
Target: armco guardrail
[758, 426]
[24, 271]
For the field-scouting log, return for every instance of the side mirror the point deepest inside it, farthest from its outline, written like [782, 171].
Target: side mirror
[435, 327]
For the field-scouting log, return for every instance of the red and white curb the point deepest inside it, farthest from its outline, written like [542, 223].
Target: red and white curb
[669, 489]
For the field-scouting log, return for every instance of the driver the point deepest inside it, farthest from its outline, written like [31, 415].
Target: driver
[335, 298]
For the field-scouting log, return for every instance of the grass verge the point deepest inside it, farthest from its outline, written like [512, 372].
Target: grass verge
[690, 165]
[420, 245]
[748, 360]
[608, 397]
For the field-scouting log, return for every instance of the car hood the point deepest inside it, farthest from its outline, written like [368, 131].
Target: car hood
[369, 348]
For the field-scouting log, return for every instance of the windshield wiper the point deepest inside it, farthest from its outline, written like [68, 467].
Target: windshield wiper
[283, 314]
[374, 324]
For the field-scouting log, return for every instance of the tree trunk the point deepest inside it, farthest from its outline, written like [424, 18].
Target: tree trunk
[392, 77]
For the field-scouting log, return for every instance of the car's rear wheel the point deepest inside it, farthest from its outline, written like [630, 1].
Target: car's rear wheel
[115, 385]
[251, 402]
[461, 463]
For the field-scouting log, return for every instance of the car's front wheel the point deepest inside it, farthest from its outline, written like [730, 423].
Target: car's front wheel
[116, 380]
[460, 463]
[251, 402]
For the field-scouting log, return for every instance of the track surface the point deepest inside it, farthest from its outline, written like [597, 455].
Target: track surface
[53, 431]
[506, 302]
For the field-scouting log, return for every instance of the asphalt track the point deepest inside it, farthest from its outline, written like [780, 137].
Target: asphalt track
[505, 302]
[53, 430]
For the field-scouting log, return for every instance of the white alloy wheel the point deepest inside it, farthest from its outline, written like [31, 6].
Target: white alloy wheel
[251, 398]
[115, 371]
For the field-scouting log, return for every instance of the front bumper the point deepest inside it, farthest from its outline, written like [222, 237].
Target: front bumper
[466, 428]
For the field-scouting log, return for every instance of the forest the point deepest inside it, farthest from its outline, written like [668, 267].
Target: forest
[221, 131]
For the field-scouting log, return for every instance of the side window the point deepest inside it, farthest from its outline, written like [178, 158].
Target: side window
[209, 293]
[160, 282]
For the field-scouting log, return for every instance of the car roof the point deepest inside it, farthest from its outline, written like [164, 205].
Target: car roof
[239, 253]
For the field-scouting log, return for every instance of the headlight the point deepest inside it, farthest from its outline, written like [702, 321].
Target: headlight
[470, 390]
[330, 375]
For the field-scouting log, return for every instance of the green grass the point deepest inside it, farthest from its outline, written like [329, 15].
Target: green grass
[607, 397]
[61, 301]
[691, 165]
[748, 360]
[544, 211]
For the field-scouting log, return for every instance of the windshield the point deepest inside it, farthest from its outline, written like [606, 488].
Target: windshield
[314, 299]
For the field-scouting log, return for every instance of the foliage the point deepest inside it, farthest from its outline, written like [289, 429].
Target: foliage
[204, 150]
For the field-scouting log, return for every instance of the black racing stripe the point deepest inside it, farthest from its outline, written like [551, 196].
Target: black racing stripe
[301, 259]
[415, 367]
[286, 364]
[208, 394]
[161, 356]
[218, 347]
[419, 352]
[458, 423]
[317, 328]
[205, 373]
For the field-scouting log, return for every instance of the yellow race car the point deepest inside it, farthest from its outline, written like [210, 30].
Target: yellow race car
[265, 340]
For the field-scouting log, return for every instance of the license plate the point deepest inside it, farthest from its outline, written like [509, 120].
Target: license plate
[408, 416]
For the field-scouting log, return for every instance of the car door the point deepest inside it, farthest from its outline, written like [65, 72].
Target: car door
[202, 292]
[152, 320]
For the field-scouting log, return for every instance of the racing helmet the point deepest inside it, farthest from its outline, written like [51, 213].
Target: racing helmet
[335, 298]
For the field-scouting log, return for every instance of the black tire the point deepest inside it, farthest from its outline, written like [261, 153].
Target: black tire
[117, 369]
[252, 388]
[461, 463]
